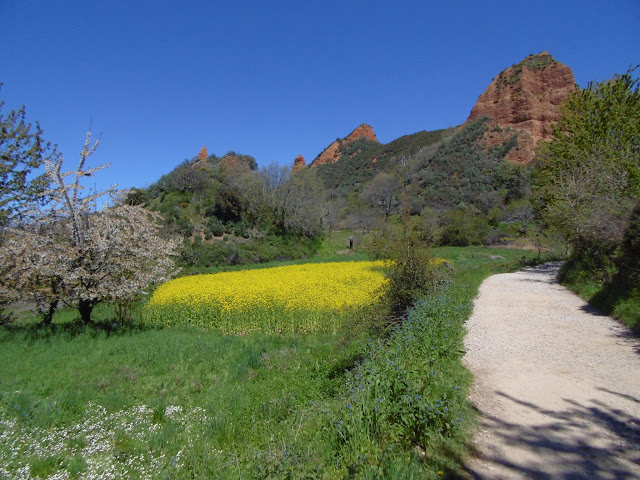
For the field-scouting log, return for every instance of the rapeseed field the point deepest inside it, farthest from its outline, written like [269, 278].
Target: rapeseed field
[298, 298]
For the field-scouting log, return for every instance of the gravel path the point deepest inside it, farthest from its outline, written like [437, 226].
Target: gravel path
[557, 384]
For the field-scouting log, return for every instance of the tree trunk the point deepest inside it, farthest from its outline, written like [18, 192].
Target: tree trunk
[47, 317]
[85, 307]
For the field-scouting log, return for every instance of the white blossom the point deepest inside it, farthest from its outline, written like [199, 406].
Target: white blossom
[71, 252]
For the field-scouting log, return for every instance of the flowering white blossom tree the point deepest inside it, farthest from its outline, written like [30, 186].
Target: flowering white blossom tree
[73, 253]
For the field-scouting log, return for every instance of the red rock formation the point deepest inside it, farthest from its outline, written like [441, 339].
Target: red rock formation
[203, 155]
[298, 164]
[333, 153]
[363, 130]
[234, 163]
[525, 97]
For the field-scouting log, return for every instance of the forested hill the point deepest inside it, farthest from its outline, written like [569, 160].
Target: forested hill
[362, 159]
[460, 182]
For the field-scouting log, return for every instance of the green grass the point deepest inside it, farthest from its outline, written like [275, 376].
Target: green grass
[189, 403]
[236, 395]
[337, 244]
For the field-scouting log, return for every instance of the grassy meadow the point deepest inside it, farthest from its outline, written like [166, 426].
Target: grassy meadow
[183, 401]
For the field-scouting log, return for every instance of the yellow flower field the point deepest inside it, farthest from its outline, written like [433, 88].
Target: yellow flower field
[297, 298]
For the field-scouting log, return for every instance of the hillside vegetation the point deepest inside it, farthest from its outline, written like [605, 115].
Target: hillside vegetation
[588, 191]
[363, 159]
[229, 213]
[462, 173]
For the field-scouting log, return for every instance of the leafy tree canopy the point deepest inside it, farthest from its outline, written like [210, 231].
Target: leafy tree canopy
[589, 175]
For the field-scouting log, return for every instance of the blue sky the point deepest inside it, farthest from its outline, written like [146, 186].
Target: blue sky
[275, 79]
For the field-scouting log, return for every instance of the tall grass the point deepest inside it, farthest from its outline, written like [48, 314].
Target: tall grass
[149, 403]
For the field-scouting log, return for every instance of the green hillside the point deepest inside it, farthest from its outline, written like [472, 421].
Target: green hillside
[363, 159]
[230, 212]
[462, 172]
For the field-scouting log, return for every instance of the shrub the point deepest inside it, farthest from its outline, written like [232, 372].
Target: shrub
[183, 226]
[629, 260]
[214, 227]
[135, 196]
[412, 272]
[241, 229]
[463, 227]
[611, 283]
[232, 251]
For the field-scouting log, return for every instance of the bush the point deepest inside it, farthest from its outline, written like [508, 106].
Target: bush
[181, 225]
[241, 229]
[629, 260]
[229, 206]
[412, 273]
[135, 196]
[611, 282]
[214, 227]
[232, 251]
[463, 227]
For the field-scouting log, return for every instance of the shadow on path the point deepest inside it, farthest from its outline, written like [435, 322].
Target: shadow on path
[583, 441]
[546, 273]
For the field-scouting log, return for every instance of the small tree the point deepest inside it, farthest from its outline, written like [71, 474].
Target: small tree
[412, 271]
[383, 191]
[364, 218]
[521, 211]
[295, 204]
[75, 253]
[330, 216]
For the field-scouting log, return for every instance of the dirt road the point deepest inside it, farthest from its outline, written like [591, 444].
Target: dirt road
[557, 384]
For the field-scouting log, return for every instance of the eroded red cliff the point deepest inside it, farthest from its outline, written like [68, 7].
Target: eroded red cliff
[298, 164]
[525, 97]
[203, 155]
[332, 153]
